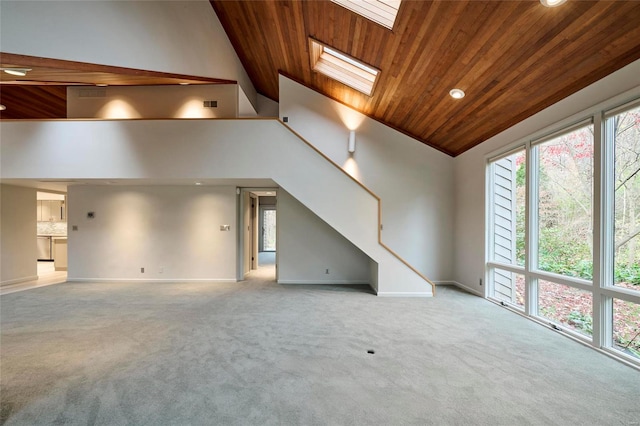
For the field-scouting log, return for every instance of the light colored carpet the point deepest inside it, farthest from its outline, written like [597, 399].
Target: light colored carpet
[266, 354]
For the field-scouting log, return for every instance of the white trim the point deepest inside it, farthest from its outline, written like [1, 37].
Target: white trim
[563, 131]
[511, 268]
[621, 293]
[152, 280]
[467, 288]
[621, 109]
[18, 280]
[404, 294]
[566, 280]
[600, 209]
[324, 282]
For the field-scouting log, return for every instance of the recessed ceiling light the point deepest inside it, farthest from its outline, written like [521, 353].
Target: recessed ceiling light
[101, 84]
[456, 93]
[183, 84]
[552, 3]
[198, 183]
[2, 107]
[20, 72]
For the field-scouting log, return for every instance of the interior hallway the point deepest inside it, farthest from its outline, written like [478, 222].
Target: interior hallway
[47, 275]
[231, 353]
[266, 267]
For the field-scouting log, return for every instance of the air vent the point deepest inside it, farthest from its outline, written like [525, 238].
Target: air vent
[92, 93]
[210, 104]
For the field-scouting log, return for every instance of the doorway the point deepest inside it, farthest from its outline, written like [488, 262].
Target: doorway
[259, 234]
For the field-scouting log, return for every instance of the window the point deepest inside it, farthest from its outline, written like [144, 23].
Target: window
[508, 176]
[566, 306]
[269, 229]
[623, 130]
[342, 67]
[626, 327]
[508, 287]
[564, 199]
[507, 223]
[382, 12]
[563, 229]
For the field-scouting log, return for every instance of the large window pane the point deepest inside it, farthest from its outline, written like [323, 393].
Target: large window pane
[567, 306]
[269, 229]
[508, 287]
[565, 192]
[508, 209]
[626, 327]
[625, 129]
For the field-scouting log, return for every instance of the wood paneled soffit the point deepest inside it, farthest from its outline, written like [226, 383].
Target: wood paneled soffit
[42, 93]
[46, 71]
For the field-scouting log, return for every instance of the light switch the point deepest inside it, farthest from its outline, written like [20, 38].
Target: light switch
[225, 227]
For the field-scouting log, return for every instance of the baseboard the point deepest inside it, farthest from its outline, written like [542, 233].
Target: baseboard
[405, 294]
[449, 282]
[466, 288]
[18, 280]
[151, 280]
[324, 282]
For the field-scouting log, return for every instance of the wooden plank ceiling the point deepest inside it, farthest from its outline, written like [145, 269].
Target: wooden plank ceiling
[42, 92]
[512, 58]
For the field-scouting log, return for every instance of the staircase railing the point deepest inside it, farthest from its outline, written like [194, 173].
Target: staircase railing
[374, 195]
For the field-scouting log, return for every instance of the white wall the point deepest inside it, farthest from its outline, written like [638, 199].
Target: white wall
[414, 181]
[267, 107]
[18, 248]
[171, 231]
[307, 247]
[153, 101]
[470, 167]
[206, 149]
[181, 37]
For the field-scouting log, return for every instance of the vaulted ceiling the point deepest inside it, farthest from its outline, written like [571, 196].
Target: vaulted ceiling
[512, 58]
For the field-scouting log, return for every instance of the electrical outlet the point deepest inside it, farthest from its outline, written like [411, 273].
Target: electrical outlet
[142, 270]
[326, 271]
[161, 270]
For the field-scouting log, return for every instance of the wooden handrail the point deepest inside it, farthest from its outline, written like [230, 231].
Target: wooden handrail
[374, 195]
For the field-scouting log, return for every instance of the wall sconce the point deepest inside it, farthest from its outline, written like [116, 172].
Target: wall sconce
[352, 141]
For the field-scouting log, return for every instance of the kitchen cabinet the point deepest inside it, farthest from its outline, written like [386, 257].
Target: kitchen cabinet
[52, 211]
[60, 253]
[44, 248]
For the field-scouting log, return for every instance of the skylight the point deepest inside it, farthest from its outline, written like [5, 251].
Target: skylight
[343, 68]
[381, 12]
